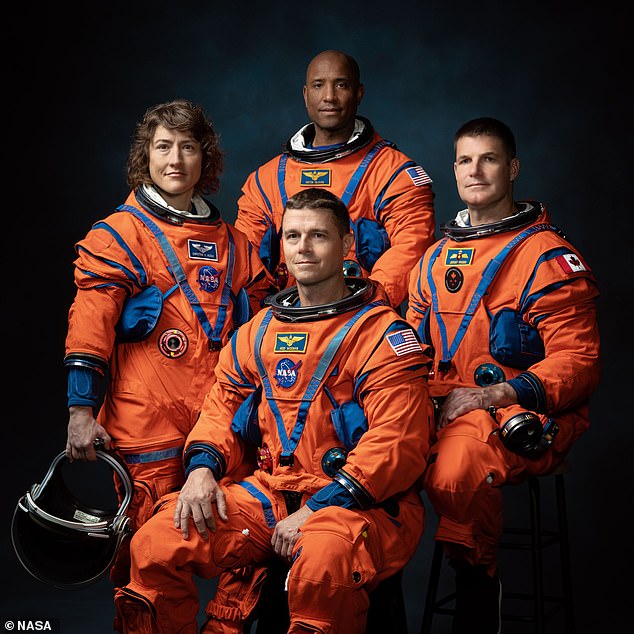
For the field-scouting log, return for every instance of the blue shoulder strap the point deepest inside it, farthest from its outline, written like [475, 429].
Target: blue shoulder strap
[213, 332]
[360, 171]
[281, 173]
[289, 444]
[488, 275]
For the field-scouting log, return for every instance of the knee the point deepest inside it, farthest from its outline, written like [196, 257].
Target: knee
[158, 546]
[231, 549]
[332, 560]
[461, 463]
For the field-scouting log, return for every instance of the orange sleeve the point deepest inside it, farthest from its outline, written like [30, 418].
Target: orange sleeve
[417, 304]
[409, 220]
[227, 394]
[255, 214]
[104, 275]
[390, 456]
[567, 322]
[251, 273]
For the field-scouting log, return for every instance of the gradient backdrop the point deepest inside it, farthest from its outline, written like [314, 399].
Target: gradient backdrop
[77, 82]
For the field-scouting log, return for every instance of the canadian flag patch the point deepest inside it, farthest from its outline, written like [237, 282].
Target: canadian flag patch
[570, 263]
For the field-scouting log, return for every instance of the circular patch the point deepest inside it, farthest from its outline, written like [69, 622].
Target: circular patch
[286, 372]
[173, 343]
[488, 374]
[209, 279]
[352, 269]
[453, 279]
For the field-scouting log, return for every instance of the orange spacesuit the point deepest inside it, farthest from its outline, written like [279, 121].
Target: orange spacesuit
[158, 349]
[509, 301]
[343, 423]
[388, 195]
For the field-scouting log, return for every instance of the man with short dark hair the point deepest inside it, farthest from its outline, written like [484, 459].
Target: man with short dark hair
[330, 383]
[508, 306]
[388, 195]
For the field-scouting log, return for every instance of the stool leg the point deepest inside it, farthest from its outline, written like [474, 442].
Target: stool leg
[272, 613]
[432, 588]
[564, 549]
[536, 552]
[387, 611]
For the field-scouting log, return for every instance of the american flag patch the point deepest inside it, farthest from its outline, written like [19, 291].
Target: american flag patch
[570, 263]
[404, 341]
[418, 175]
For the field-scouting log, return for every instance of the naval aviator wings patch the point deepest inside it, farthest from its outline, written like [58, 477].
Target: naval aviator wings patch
[291, 342]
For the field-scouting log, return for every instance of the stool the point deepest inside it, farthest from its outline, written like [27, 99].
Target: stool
[535, 539]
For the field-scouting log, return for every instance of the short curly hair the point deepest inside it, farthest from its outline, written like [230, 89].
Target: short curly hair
[184, 116]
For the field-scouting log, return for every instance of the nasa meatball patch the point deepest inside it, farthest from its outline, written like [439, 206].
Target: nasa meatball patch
[286, 372]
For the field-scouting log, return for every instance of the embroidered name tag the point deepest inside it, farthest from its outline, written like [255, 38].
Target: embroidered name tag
[199, 250]
[459, 257]
[291, 342]
[314, 178]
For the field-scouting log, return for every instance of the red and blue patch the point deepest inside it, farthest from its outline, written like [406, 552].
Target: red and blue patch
[209, 279]
[286, 372]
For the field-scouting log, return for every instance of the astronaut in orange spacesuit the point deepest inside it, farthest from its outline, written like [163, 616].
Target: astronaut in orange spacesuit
[388, 195]
[331, 383]
[508, 306]
[161, 284]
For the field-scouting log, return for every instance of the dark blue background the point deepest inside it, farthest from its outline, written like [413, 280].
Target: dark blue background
[77, 82]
